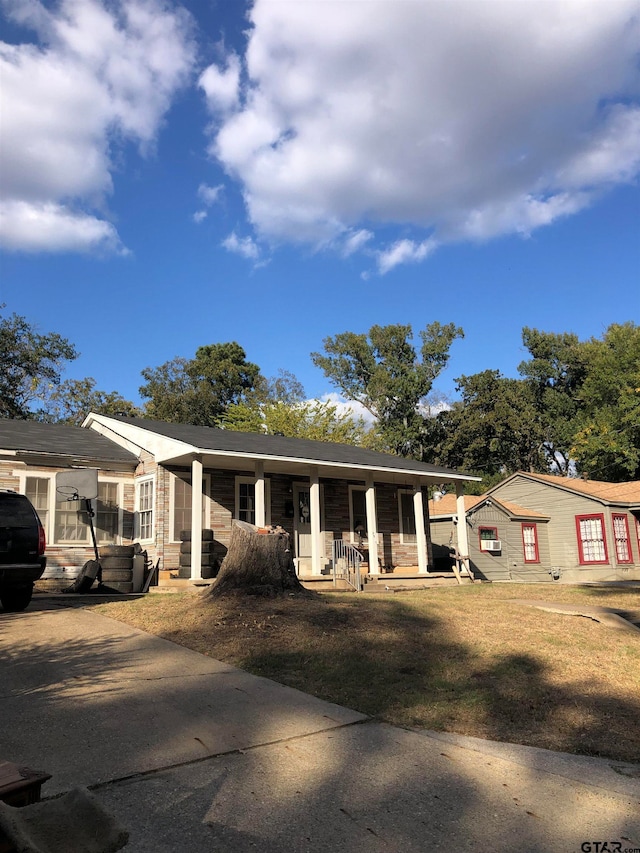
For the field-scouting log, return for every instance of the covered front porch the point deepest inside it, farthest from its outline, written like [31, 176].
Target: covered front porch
[338, 520]
[192, 482]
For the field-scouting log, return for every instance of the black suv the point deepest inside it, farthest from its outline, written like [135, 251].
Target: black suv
[22, 544]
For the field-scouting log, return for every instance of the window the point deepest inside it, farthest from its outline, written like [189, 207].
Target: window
[71, 523]
[182, 503]
[407, 517]
[246, 505]
[487, 533]
[592, 545]
[621, 535]
[107, 521]
[67, 522]
[246, 500]
[144, 491]
[530, 543]
[37, 490]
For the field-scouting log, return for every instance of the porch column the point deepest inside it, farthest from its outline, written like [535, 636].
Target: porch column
[421, 539]
[316, 533]
[196, 518]
[463, 539]
[261, 516]
[372, 526]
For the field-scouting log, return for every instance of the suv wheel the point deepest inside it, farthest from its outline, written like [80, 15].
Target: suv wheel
[16, 598]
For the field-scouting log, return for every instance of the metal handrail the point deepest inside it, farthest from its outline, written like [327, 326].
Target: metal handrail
[346, 563]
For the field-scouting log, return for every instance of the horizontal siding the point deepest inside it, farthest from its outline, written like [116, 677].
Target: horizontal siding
[562, 507]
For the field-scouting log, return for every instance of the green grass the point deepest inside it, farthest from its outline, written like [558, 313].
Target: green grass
[465, 659]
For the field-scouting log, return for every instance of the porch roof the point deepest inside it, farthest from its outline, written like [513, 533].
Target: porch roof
[446, 507]
[178, 443]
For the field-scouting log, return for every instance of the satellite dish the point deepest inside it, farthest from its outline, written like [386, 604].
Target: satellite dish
[77, 484]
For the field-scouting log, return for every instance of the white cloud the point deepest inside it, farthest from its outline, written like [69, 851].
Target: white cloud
[97, 75]
[221, 87]
[460, 120]
[405, 252]
[209, 195]
[356, 241]
[50, 227]
[348, 407]
[244, 246]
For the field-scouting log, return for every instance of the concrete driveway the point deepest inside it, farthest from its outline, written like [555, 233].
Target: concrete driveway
[193, 755]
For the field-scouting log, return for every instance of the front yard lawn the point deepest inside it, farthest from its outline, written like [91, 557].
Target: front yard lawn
[466, 659]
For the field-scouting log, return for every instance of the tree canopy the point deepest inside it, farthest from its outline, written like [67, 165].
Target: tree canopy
[72, 400]
[493, 429]
[384, 373]
[575, 408]
[199, 390]
[30, 366]
[606, 441]
[312, 419]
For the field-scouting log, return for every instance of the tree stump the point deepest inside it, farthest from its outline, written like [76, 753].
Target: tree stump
[259, 561]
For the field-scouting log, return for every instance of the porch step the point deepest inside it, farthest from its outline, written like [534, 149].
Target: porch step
[170, 581]
[325, 584]
[389, 582]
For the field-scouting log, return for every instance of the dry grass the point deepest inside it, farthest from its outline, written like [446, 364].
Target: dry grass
[464, 660]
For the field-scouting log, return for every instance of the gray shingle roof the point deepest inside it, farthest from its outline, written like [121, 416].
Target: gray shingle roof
[61, 440]
[229, 441]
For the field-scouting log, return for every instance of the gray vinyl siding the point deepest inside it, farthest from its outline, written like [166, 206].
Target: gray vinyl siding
[507, 564]
[562, 507]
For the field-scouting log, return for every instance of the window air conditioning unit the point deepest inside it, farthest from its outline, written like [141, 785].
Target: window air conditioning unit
[490, 545]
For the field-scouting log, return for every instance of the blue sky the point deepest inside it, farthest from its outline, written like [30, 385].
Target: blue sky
[182, 174]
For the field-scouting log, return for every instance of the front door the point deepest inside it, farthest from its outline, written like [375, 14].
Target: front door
[302, 527]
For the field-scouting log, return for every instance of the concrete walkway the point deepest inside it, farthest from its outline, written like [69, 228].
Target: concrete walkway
[192, 755]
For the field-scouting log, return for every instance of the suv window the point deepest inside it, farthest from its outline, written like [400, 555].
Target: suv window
[15, 511]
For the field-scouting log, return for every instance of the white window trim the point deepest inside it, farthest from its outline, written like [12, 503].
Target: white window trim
[51, 509]
[267, 496]
[206, 503]
[403, 541]
[138, 482]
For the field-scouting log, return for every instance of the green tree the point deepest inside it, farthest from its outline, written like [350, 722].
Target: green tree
[72, 400]
[493, 430]
[384, 373]
[555, 374]
[199, 391]
[606, 441]
[313, 419]
[30, 366]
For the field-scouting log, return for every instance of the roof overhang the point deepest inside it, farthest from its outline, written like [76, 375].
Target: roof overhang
[35, 458]
[174, 452]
